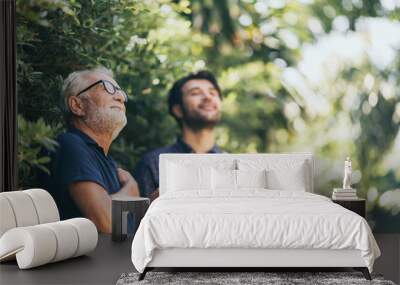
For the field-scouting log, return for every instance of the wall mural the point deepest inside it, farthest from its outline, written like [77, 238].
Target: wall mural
[320, 76]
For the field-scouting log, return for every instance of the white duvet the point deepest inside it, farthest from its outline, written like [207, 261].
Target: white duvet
[253, 218]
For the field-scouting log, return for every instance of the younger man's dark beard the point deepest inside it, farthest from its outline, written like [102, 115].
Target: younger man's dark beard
[197, 123]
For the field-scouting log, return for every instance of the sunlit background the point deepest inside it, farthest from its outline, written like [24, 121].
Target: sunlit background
[320, 76]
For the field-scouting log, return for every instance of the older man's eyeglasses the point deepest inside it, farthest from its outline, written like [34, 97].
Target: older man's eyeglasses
[108, 86]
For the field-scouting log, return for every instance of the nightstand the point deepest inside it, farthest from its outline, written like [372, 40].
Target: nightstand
[121, 208]
[357, 205]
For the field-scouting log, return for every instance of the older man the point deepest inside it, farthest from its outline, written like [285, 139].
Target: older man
[84, 177]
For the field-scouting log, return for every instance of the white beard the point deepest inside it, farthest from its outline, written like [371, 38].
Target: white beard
[106, 120]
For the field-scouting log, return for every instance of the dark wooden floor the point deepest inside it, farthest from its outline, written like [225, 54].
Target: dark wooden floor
[389, 263]
[106, 264]
[102, 266]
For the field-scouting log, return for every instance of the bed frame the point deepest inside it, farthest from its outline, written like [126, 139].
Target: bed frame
[247, 259]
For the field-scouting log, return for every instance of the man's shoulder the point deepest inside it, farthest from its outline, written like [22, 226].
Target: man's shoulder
[71, 143]
[153, 155]
[69, 137]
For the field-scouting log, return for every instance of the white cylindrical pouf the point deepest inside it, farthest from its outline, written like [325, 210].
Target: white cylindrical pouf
[23, 207]
[7, 218]
[67, 239]
[87, 234]
[45, 205]
[31, 232]
[33, 246]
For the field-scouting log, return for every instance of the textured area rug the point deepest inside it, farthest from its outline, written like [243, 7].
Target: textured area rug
[229, 278]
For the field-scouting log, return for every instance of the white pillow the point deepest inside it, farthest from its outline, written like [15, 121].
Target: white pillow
[251, 178]
[224, 179]
[183, 178]
[282, 174]
[293, 180]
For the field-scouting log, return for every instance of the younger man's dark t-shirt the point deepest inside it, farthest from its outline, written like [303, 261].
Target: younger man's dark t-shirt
[78, 158]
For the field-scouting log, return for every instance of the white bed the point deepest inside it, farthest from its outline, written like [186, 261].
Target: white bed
[215, 211]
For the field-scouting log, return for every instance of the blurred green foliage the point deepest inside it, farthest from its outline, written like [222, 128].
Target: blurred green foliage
[250, 46]
[32, 138]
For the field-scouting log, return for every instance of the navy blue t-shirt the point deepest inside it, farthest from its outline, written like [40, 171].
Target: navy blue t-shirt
[79, 158]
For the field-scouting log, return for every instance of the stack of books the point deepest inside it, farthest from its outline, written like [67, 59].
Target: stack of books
[344, 194]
